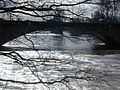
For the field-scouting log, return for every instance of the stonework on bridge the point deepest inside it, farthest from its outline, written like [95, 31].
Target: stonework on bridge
[10, 30]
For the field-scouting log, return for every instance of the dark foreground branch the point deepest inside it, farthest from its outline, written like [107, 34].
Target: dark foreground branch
[64, 79]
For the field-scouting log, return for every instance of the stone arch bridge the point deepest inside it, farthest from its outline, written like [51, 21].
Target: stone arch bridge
[108, 33]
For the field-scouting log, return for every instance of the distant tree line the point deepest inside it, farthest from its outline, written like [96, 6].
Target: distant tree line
[108, 11]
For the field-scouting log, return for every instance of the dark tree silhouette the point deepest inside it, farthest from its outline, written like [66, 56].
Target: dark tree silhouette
[45, 62]
[108, 10]
[39, 9]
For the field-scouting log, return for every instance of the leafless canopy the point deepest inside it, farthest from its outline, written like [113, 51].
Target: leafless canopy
[39, 9]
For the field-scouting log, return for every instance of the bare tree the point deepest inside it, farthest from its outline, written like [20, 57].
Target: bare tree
[37, 9]
[108, 10]
[44, 62]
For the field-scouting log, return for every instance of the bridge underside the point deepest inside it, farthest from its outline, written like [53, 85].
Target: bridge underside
[108, 33]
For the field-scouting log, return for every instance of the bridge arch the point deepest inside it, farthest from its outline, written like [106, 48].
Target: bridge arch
[10, 30]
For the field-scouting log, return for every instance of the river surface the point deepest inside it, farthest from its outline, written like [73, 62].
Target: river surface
[50, 57]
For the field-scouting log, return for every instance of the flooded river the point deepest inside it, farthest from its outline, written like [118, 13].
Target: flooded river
[66, 62]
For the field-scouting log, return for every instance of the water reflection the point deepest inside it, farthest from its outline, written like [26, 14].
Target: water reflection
[63, 57]
[50, 41]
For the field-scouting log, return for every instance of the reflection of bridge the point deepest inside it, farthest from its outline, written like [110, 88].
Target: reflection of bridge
[10, 30]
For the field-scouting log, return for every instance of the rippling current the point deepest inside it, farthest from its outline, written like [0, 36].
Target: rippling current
[52, 57]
